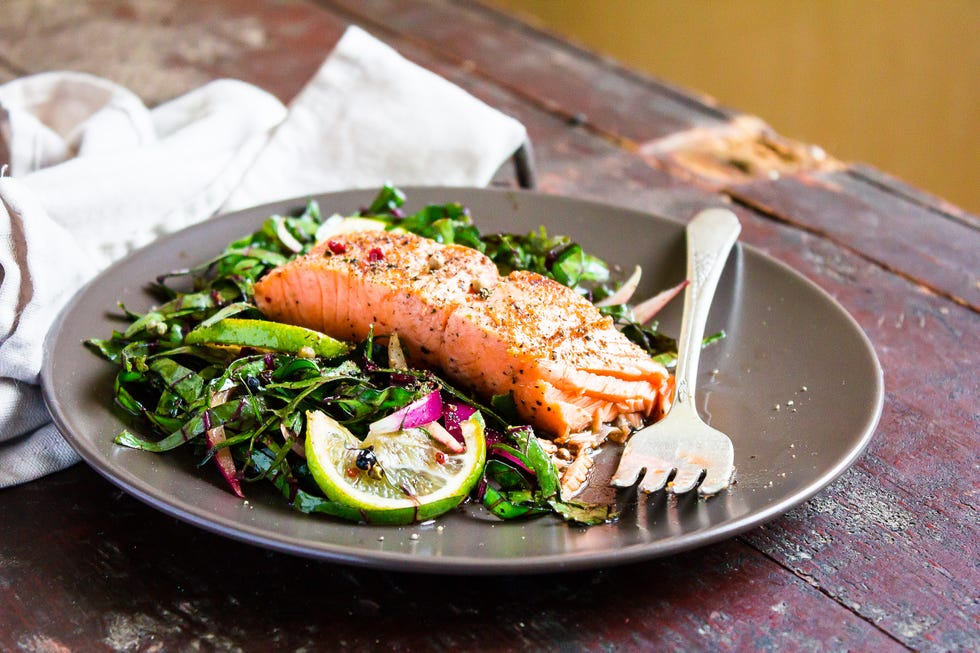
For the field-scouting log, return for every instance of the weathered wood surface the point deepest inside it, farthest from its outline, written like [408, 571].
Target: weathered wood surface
[884, 559]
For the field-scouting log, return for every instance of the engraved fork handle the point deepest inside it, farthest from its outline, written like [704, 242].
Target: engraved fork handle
[710, 237]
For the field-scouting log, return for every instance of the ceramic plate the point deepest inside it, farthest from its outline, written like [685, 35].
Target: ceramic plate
[788, 343]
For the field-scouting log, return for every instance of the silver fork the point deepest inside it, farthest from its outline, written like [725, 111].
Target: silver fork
[681, 442]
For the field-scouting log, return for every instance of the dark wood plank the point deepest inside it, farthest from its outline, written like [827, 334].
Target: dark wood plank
[161, 50]
[96, 569]
[867, 544]
[896, 233]
[288, 41]
[545, 71]
[878, 216]
[895, 186]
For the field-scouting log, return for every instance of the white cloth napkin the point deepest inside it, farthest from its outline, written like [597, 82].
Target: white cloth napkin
[91, 174]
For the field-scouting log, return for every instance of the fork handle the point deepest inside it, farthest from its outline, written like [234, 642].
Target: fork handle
[710, 237]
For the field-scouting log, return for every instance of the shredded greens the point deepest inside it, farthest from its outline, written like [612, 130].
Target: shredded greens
[239, 398]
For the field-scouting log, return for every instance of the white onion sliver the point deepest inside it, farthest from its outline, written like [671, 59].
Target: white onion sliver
[396, 355]
[285, 237]
[438, 433]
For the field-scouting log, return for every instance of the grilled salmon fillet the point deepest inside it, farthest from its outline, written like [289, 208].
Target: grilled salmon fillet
[566, 365]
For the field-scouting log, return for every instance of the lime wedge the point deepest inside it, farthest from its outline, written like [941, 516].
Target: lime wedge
[263, 334]
[393, 478]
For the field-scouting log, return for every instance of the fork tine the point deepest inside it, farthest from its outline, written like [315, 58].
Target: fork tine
[687, 477]
[634, 461]
[716, 480]
[655, 479]
[628, 471]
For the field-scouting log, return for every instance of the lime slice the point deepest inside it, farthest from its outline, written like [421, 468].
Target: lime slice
[393, 478]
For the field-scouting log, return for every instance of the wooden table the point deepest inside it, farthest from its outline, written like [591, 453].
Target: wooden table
[884, 559]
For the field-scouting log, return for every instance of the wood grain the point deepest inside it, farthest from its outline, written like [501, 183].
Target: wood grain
[885, 228]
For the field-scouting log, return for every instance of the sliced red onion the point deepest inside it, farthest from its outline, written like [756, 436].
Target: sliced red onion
[222, 457]
[224, 460]
[299, 448]
[420, 412]
[455, 413]
[645, 310]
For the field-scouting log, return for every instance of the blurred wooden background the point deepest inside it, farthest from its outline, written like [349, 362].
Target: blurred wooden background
[895, 84]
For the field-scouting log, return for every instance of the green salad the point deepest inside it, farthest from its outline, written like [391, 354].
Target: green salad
[343, 429]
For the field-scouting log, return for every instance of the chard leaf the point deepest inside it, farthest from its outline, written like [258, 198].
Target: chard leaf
[584, 513]
[110, 349]
[227, 414]
[184, 383]
[515, 504]
[538, 460]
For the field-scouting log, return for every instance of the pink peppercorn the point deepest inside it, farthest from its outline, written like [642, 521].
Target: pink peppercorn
[375, 254]
[336, 247]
